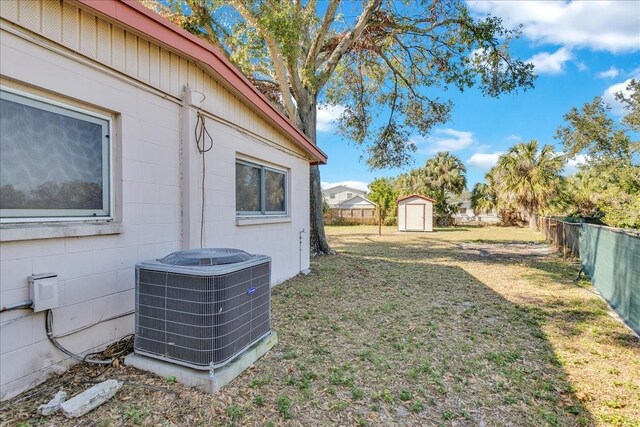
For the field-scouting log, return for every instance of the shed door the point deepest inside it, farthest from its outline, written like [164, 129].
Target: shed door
[415, 217]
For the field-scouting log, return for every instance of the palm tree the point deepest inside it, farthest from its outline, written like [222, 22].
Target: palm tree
[446, 172]
[412, 182]
[530, 177]
[483, 199]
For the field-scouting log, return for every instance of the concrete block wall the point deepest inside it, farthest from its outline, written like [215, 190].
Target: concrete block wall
[96, 267]
[96, 272]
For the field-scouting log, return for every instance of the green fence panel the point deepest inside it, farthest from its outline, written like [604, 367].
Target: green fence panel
[611, 258]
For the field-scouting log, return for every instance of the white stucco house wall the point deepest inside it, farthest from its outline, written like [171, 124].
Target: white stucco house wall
[466, 214]
[334, 196]
[100, 169]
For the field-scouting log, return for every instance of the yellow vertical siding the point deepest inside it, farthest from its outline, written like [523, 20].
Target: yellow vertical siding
[88, 35]
[118, 49]
[141, 59]
[154, 65]
[29, 14]
[70, 26]
[105, 41]
[52, 23]
[9, 10]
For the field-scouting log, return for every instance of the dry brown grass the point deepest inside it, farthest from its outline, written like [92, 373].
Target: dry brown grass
[467, 327]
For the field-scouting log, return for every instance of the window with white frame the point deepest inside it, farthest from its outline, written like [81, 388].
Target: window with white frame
[54, 163]
[260, 189]
[332, 195]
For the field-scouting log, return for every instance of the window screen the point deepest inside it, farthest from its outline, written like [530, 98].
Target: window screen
[260, 190]
[54, 163]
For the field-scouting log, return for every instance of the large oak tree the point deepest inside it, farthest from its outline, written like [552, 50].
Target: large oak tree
[383, 61]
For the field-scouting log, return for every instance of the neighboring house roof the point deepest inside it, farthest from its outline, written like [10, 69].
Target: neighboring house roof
[148, 23]
[357, 200]
[416, 195]
[345, 187]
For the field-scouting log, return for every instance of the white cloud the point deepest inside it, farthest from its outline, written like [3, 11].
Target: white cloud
[484, 161]
[443, 140]
[514, 137]
[327, 115]
[581, 66]
[358, 185]
[611, 73]
[609, 95]
[572, 165]
[599, 25]
[551, 63]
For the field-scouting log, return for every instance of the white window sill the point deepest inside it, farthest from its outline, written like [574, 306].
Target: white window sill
[257, 220]
[33, 231]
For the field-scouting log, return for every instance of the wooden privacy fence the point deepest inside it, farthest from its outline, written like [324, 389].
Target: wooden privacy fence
[609, 256]
[351, 216]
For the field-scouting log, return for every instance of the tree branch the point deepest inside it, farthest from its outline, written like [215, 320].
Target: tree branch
[276, 57]
[347, 41]
[329, 16]
[203, 17]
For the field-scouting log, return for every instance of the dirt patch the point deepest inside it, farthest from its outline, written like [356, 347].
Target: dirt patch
[507, 250]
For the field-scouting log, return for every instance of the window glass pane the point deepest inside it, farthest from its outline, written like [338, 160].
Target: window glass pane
[50, 160]
[247, 188]
[275, 191]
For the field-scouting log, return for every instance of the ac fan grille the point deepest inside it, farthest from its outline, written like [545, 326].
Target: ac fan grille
[201, 321]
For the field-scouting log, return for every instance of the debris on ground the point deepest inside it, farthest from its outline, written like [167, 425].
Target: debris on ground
[52, 406]
[90, 399]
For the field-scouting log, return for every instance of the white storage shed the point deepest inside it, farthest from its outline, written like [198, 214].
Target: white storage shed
[415, 213]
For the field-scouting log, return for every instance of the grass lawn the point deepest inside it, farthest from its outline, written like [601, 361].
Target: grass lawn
[476, 326]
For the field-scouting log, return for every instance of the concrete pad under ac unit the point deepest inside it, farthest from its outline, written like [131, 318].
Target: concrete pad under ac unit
[207, 381]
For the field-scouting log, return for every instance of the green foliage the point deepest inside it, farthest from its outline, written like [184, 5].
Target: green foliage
[284, 406]
[134, 415]
[405, 395]
[446, 172]
[527, 179]
[584, 194]
[258, 400]
[592, 131]
[383, 193]
[234, 412]
[631, 104]
[483, 199]
[325, 207]
[608, 183]
[379, 58]
[441, 177]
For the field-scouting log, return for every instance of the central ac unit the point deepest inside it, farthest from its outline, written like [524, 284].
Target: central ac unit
[201, 308]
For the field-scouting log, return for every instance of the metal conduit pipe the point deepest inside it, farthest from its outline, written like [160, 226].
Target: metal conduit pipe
[17, 306]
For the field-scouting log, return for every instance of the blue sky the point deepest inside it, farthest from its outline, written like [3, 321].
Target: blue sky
[580, 50]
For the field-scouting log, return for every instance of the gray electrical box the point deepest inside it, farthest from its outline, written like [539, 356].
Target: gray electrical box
[44, 291]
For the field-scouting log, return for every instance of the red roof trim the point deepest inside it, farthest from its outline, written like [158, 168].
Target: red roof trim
[415, 195]
[143, 20]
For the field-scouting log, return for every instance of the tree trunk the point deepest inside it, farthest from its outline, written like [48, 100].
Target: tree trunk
[317, 238]
[533, 220]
